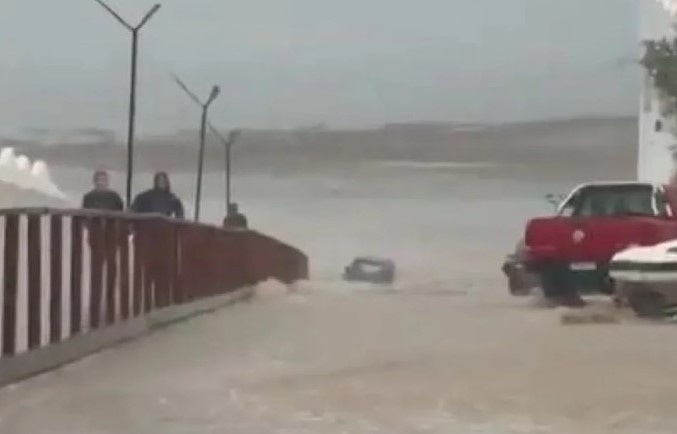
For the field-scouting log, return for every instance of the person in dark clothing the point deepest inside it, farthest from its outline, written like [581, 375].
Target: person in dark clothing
[234, 219]
[159, 199]
[102, 197]
[101, 232]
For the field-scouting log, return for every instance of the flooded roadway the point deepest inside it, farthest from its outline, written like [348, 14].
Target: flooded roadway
[356, 361]
[444, 351]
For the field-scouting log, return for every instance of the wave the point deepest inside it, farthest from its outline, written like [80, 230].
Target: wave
[440, 164]
[24, 183]
[54, 137]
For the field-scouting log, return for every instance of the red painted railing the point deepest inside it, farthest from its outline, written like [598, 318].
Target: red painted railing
[65, 273]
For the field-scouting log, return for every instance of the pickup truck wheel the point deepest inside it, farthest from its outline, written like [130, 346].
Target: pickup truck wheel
[647, 304]
[517, 286]
[558, 288]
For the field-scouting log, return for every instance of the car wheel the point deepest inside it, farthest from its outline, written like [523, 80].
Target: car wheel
[647, 304]
[517, 286]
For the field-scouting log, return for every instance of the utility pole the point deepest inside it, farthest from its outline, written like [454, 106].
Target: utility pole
[228, 143]
[132, 92]
[203, 127]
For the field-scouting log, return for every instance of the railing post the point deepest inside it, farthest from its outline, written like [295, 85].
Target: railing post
[177, 285]
[138, 277]
[123, 247]
[96, 245]
[146, 258]
[77, 225]
[55, 276]
[110, 258]
[160, 263]
[34, 305]
[10, 285]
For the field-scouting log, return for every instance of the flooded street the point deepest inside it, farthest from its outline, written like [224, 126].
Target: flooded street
[360, 362]
[419, 135]
[443, 350]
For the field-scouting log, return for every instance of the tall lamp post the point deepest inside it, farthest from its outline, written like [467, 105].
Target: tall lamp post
[228, 143]
[203, 127]
[132, 93]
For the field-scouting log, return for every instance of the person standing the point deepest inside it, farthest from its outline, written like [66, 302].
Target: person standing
[101, 233]
[159, 199]
[101, 197]
[234, 218]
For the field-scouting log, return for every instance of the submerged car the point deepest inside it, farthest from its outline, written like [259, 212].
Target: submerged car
[370, 269]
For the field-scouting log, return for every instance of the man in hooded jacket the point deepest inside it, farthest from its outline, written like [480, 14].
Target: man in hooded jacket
[159, 199]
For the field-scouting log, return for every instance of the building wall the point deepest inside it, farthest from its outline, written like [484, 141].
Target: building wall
[655, 154]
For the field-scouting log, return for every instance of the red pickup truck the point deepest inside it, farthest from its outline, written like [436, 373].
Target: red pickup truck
[567, 254]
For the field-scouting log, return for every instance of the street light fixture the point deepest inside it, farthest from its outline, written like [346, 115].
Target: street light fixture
[203, 127]
[228, 143]
[132, 93]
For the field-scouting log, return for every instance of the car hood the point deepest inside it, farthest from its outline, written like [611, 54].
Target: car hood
[658, 253]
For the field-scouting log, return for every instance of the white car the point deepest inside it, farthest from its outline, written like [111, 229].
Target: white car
[645, 277]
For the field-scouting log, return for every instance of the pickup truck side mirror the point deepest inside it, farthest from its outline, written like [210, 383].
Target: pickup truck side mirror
[554, 199]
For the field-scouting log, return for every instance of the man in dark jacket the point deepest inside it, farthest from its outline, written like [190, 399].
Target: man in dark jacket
[102, 197]
[159, 199]
[234, 219]
[102, 240]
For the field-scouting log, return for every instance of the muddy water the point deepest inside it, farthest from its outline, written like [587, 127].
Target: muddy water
[443, 351]
[359, 362]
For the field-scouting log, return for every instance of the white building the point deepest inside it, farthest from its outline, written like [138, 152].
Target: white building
[656, 140]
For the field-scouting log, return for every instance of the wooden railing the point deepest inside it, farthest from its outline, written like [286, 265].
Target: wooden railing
[66, 273]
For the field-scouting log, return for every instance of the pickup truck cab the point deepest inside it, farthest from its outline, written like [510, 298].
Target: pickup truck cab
[570, 251]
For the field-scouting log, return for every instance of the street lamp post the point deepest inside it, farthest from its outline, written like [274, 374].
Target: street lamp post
[132, 92]
[203, 127]
[228, 143]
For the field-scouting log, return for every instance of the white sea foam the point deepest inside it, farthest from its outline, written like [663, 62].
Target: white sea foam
[27, 183]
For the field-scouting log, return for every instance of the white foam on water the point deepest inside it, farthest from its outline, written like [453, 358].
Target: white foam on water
[440, 164]
[19, 175]
[343, 287]
[271, 289]
[55, 137]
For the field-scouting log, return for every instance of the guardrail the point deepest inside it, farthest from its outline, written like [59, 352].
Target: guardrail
[69, 273]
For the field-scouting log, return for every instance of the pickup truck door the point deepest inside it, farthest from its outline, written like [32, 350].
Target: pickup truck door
[594, 239]
[597, 234]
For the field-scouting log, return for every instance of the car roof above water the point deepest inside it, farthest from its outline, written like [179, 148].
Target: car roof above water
[373, 260]
[616, 184]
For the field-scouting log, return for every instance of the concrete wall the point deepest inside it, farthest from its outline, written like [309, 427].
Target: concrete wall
[655, 160]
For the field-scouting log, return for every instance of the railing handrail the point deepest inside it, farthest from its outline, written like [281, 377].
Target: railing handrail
[127, 215]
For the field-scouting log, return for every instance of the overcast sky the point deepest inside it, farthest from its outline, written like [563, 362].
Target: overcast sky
[289, 63]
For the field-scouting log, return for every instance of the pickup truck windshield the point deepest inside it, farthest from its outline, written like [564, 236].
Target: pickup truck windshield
[608, 200]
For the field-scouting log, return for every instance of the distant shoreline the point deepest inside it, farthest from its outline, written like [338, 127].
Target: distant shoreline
[599, 146]
[107, 136]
